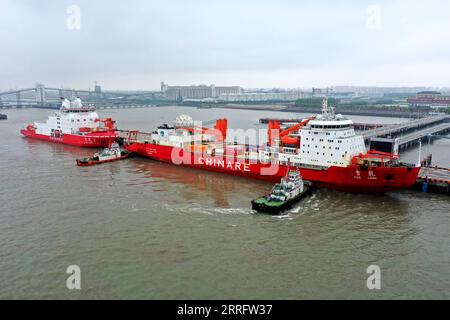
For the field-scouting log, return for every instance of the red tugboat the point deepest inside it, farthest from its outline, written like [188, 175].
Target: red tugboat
[76, 125]
[113, 153]
[325, 148]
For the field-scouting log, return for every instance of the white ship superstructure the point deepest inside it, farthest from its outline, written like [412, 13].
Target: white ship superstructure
[69, 120]
[74, 124]
[328, 140]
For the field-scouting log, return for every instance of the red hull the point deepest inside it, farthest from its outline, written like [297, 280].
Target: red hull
[95, 139]
[351, 178]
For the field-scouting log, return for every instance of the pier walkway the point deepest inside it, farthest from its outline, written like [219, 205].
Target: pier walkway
[413, 138]
[404, 127]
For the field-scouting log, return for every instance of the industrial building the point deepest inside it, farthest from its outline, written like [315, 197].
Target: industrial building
[429, 99]
[290, 95]
[179, 93]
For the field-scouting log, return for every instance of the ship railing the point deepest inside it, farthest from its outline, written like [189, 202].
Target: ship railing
[135, 135]
[404, 164]
[310, 166]
[82, 109]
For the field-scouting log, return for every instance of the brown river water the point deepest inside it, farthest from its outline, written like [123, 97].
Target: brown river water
[139, 229]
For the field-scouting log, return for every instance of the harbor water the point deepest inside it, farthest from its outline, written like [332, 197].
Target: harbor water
[140, 229]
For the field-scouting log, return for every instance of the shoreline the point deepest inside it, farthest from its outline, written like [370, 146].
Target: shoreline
[293, 109]
[266, 107]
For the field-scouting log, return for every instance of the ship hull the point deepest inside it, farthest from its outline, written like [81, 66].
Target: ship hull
[96, 139]
[352, 178]
[264, 208]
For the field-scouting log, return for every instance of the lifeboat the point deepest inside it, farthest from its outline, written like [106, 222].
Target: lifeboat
[288, 140]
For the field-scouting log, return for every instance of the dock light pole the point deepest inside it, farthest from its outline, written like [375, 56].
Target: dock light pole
[419, 161]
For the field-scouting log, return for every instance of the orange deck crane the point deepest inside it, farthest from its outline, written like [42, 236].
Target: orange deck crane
[275, 133]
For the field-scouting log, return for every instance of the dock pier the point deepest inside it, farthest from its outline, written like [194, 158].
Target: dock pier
[404, 129]
[430, 134]
[433, 180]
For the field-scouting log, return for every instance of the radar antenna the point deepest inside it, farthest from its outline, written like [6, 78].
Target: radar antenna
[325, 105]
[327, 112]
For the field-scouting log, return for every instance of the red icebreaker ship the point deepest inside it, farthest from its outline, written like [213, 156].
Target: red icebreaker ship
[325, 148]
[76, 125]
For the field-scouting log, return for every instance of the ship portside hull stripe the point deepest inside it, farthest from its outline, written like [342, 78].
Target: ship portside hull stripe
[97, 140]
[351, 178]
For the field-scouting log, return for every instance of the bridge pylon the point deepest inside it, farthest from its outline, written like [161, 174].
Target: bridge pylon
[19, 99]
[40, 94]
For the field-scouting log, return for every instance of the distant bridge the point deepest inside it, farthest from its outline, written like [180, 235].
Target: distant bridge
[39, 96]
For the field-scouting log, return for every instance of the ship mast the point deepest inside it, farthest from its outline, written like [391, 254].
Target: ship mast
[325, 106]
[419, 161]
[327, 113]
[288, 169]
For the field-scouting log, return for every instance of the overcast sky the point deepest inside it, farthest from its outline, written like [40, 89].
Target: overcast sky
[136, 44]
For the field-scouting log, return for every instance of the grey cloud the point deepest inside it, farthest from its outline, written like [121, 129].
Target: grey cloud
[138, 43]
